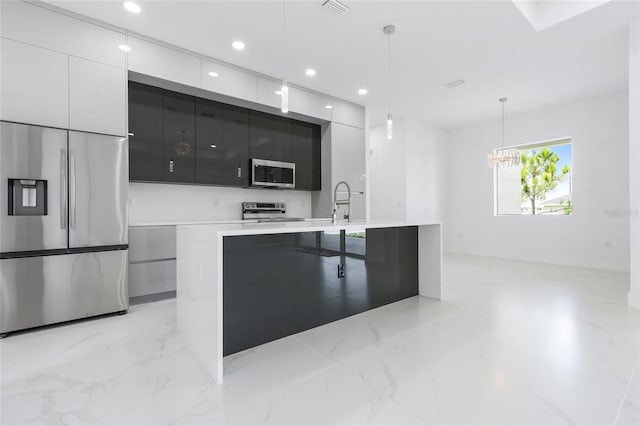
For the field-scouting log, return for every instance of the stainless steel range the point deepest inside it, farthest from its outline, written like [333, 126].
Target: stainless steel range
[267, 212]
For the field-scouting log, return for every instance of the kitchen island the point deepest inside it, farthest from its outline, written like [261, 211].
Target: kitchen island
[241, 285]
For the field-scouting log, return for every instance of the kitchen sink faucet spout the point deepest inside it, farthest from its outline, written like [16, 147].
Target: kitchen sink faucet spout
[343, 201]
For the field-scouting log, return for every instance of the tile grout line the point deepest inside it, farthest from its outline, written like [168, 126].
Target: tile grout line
[626, 392]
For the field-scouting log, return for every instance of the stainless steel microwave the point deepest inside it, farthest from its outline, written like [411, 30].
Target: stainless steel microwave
[273, 173]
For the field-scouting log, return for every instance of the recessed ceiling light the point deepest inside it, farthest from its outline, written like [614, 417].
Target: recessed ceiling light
[363, 92]
[328, 106]
[310, 72]
[278, 92]
[124, 48]
[238, 45]
[132, 7]
[213, 74]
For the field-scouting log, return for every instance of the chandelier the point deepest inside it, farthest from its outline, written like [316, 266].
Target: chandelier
[503, 157]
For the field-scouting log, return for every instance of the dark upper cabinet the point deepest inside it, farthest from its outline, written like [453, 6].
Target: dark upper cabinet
[282, 139]
[306, 155]
[236, 141]
[211, 150]
[181, 138]
[260, 136]
[145, 128]
[270, 137]
[179, 127]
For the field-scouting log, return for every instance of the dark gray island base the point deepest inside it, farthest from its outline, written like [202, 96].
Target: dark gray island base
[242, 285]
[275, 285]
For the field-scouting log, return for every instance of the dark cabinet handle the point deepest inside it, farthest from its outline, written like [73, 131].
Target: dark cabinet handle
[170, 166]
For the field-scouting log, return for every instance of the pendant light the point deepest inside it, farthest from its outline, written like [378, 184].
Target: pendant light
[503, 157]
[285, 87]
[388, 30]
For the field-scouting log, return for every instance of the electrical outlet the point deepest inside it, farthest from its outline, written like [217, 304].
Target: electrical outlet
[132, 201]
[216, 201]
[341, 270]
[608, 244]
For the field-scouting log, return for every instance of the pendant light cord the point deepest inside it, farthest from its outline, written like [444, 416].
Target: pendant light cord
[389, 56]
[284, 36]
[502, 123]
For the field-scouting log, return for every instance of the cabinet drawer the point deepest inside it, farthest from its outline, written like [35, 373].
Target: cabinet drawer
[152, 243]
[152, 277]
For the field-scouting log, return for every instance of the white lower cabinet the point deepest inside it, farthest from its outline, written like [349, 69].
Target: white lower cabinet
[34, 85]
[97, 94]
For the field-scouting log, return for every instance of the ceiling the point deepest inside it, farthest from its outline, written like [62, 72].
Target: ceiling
[488, 44]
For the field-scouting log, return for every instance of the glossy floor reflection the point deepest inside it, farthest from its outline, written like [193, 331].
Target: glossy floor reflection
[513, 343]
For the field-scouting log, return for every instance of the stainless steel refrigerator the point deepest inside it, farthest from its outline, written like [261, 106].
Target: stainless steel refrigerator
[63, 225]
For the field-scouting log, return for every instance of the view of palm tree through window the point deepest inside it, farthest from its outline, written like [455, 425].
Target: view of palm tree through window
[540, 185]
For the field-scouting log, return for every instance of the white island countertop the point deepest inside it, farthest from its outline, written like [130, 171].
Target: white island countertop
[312, 225]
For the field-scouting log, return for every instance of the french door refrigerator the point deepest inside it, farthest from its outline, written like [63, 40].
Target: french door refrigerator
[63, 227]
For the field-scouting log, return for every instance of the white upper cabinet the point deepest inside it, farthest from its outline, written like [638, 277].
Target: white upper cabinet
[229, 81]
[42, 27]
[347, 113]
[315, 105]
[348, 156]
[162, 62]
[97, 96]
[267, 95]
[34, 85]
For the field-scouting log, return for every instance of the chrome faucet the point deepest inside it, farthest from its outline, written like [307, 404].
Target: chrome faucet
[343, 201]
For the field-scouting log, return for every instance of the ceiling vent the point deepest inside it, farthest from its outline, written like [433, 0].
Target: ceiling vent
[455, 83]
[336, 7]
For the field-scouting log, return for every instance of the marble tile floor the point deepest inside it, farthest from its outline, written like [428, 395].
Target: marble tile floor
[511, 343]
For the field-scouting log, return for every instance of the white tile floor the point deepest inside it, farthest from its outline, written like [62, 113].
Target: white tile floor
[512, 343]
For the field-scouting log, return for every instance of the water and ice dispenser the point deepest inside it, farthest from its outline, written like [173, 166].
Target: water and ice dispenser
[27, 197]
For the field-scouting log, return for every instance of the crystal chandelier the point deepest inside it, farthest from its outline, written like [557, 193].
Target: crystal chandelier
[503, 157]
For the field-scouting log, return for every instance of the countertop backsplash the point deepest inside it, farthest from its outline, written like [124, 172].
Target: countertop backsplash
[156, 202]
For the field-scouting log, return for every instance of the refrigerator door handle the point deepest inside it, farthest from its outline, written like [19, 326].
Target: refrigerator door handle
[63, 189]
[72, 190]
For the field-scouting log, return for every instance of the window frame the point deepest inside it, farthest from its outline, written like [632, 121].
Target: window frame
[567, 140]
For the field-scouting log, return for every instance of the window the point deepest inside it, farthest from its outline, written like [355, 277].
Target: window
[540, 185]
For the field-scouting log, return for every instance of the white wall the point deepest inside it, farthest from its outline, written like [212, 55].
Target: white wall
[425, 171]
[595, 236]
[406, 172]
[634, 162]
[156, 202]
[387, 177]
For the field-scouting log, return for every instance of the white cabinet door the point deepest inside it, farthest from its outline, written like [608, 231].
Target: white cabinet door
[97, 97]
[267, 95]
[34, 85]
[315, 105]
[42, 27]
[348, 156]
[346, 113]
[229, 81]
[159, 61]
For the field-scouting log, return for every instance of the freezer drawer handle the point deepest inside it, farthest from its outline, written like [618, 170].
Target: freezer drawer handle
[63, 189]
[170, 166]
[72, 190]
